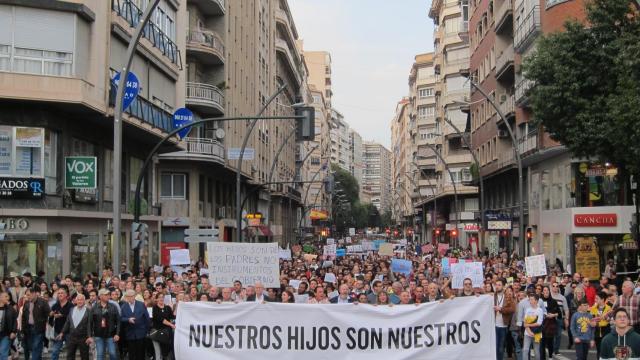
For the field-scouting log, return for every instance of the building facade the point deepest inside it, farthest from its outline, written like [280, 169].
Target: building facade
[402, 146]
[376, 175]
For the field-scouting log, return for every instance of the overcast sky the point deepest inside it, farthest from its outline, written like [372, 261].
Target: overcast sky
[372, 45]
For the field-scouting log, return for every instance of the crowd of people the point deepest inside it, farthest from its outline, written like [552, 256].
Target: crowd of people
[122, 315]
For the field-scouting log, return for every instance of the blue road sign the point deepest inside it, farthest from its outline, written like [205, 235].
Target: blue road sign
[182, 117]
[132, 87]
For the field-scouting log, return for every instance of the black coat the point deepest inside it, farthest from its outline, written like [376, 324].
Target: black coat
[9, 324]
[83, 330]
[41, 312]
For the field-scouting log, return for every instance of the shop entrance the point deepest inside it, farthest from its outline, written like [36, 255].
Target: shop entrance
[33, 253]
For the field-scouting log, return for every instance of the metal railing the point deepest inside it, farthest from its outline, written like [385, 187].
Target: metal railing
[508, 106]
[205, 93]
[204, 146]
[129, 11]
[146, 111]
[528, 143]
[522, 89]
[207, 39]
[527, 29]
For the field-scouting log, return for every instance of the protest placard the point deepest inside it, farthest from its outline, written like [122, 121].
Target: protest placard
[327, 264]
[401, 266]
[158, 268]
[466, 270]
[329, 251]
[294, 283]
[367, 245]
[331, 241]
[462, 328]
[246, 262]
[340, 252]
[427, 248]
[330, 278]
[301, 299]
[284, 254]
[535, 265]
[442, 248]
[179, 257]
[309, 257]
[386, 249]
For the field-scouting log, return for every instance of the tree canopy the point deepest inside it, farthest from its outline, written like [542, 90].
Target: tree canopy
[587, 84]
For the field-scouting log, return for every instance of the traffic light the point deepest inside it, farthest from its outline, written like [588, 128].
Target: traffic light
[306, 125]
[454, 233]
[437, 232]
[529, 234]
[139, 234]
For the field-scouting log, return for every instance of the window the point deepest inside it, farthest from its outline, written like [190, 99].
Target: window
[424, 93]
[22, 151]
[37, 41]
[173, 186]
[425, 111]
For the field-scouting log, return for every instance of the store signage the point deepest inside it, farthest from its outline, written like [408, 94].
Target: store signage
[80, 172]
[471, 227]
[499, 225]
[21, 188]
[15, 223]
[595, 220]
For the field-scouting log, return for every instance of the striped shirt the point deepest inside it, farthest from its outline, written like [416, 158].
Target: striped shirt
[629, 303]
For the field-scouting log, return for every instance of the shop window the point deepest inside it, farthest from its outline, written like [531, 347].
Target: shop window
[84, 253]
[598, 185]
[173, 186]
[21, 253]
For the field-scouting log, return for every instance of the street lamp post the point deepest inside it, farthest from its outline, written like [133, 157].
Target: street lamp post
[475, 159]
[117, 131]
[521, 235]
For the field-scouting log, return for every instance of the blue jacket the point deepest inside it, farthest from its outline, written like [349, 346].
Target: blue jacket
[581, 327]
[140, 329]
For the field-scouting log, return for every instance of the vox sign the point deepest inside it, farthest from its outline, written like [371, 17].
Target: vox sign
[80, 172]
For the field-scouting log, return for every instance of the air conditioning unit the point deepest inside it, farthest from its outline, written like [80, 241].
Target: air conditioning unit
[503, 134]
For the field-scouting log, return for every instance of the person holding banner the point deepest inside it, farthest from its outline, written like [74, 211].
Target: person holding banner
[504, 307]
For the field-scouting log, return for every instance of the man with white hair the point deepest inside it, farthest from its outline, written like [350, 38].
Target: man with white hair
[135, 318]
[260, 295]
[630, 302]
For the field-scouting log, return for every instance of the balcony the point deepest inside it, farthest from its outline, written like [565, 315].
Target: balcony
[206, 46]
[528, 144]
[210, 7]
[508, 106]
[503, 16]
[198, 149]
[461, 158]
[522, 91]
[283, 47]
[206, 99]
[504, 63]
[527, 30]
[145, 111]
[463, 33]
[130, 12]
[284, 20]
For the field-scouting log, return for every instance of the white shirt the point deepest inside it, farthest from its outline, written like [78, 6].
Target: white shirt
[77, 313]
[537, 312]
[500, 302]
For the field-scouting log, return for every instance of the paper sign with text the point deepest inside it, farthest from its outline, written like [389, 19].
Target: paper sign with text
[248, 263]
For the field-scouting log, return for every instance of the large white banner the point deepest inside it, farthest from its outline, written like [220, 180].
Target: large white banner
[248, 263]
[462, 328]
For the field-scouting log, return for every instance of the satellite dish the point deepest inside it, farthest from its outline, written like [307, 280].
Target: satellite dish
[220, 134]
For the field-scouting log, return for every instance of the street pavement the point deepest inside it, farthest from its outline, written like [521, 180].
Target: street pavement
[568, 354]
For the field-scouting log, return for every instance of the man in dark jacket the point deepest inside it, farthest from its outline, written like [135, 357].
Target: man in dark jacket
[58, 317]
[8, 325]
[135, 316]
[105, 326]
[35, 314]
[77, 329]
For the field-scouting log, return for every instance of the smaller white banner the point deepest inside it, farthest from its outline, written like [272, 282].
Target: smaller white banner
[466, 270]
[248, 263]
[535, 265]
[179, 257]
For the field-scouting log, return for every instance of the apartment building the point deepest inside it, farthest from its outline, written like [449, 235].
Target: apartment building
[402, 126]
[376, 175]
[451, 55]
[319, 64]
[355, 157]
[340, 141]
[56, 91]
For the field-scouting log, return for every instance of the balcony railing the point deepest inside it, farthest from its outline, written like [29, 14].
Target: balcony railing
[204, 146]
[522, 90]
[205, 93]
[527, 29]
[129, 11]
[528, 143]
[508, 106]
[207, 39]
[146, 111]
[504, 59]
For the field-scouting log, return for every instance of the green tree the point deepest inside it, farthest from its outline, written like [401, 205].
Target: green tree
[587, 84]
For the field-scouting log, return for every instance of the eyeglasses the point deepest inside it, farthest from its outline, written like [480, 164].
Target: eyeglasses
[467, 284]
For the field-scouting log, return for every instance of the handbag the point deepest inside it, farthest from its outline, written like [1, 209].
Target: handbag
[549, 327]
[163, 336]
[50, 333]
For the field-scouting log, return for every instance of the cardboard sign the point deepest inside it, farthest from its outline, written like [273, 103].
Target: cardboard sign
[331, 241]
[386, 249]
[179, 257]
[442, 248]
[246, 262]
[341, 252]
[329, 251]
[295, 283]
[284, 254]
[427, 248]
[535, 265]
[309, 257]
[467, 270]
[330, 278]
